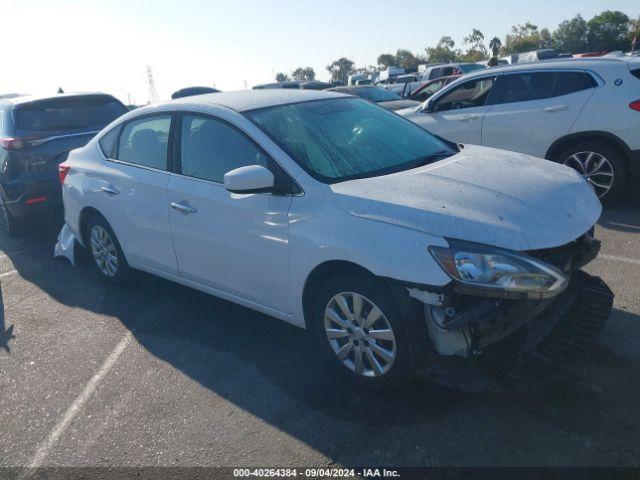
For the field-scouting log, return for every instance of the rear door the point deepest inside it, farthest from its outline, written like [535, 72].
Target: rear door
[130, 190]
[457, 114]
[533, 109]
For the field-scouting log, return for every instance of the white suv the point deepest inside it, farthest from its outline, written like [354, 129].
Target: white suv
[402, 252]
[584, 113]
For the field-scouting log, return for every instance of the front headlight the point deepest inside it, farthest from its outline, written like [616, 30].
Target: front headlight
[494, 272]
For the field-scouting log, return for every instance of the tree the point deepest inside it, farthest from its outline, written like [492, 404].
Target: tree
[495, 44]
[572, 35]
[406, 59]
[546, 39]
[340, 69]
[387, 60]
[282, 77]
[523, 38]
[477, 50]
[609, 31]
[443, 52]
[304, 74]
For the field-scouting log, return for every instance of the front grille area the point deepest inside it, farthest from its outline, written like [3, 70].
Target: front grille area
[570, 256]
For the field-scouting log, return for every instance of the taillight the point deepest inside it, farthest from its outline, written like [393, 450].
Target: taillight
[635, 105]
[11, 143]
[63, 170]
[34, 200]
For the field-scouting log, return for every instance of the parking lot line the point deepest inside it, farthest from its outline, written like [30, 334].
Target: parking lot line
[75, 408]
[9, 273]
[615, 258]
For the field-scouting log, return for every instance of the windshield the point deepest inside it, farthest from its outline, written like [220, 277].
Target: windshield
[377, 94]
[470, 67]
[68, 113]
[346, 138]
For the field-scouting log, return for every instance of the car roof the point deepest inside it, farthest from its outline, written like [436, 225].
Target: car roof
[560, 64]
[254, 99]
[34, 98]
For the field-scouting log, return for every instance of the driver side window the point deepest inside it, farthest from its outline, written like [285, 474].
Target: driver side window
[468, 95]
[209, 148]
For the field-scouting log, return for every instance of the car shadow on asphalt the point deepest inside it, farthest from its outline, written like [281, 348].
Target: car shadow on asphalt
[274, 370]
[624, 214]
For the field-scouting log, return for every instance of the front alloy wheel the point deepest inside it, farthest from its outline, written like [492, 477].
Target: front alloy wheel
[104, 251]
[360, 334]
[595, 168]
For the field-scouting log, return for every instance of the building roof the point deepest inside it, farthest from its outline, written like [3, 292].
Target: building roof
[254, 99]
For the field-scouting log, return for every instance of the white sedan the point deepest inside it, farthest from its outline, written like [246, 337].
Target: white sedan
[401, 251]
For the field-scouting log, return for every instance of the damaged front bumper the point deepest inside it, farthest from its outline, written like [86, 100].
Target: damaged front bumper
[540, 337]
[470, 332]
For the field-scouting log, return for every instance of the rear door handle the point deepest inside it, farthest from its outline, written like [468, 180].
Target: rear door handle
[109, 190]
[184, 208]
[556, 108]
[468, 117]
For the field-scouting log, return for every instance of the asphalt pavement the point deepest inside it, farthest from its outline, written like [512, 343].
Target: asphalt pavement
[156, 374]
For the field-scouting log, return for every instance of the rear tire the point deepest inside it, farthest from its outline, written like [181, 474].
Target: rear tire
[603, 167]
[105, 251]
[369, 346]
[12, 225]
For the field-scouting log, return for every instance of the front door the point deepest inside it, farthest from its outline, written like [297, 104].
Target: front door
[234, 243]
[458, 114]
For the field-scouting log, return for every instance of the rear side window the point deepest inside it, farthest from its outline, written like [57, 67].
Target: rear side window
[525, 87]
[68, 113]
[145, 141]
[570, 82]
[108, 142]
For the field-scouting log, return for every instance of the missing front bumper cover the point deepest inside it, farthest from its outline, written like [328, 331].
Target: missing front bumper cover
[541, 340]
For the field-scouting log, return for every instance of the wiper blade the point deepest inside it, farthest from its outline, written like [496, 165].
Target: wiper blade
[430, 158]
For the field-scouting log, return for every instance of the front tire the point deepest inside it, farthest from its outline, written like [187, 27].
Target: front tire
[361, 330]
[601, 166]
[106, 254]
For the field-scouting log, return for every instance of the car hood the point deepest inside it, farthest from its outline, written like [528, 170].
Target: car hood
[398, 104]
[481, 195]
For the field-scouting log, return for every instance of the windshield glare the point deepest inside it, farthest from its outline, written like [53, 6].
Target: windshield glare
[346, 138]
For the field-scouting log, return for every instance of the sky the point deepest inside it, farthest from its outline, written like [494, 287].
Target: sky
[106, 45]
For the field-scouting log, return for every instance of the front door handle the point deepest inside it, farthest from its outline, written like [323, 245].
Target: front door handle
[109, 190]
[556, 108]
[184, 208]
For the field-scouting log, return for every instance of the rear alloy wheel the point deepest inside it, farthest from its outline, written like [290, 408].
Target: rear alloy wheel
[105, 250]
[361, 330]
[602, 167]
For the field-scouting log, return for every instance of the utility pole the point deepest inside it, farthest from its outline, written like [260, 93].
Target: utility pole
[153, 95]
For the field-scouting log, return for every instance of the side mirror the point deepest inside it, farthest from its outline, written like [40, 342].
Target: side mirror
[426, 106]
[249, 179]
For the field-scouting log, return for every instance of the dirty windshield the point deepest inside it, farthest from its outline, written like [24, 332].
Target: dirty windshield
[346, 138]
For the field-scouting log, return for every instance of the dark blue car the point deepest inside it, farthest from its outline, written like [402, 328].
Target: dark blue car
[36, 134]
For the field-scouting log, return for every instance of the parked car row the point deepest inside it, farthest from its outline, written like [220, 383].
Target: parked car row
[402, 252]
[580, 112]
[36, 134]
